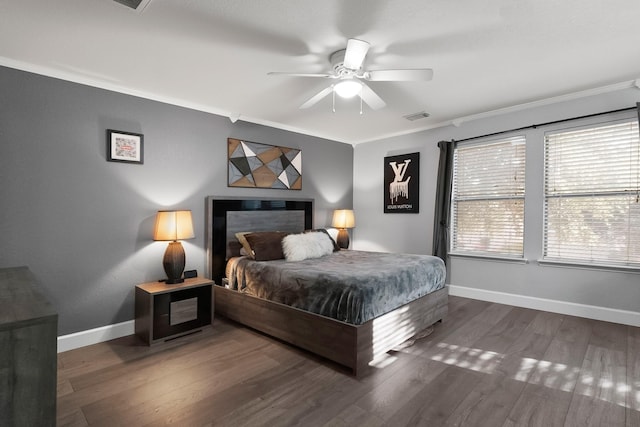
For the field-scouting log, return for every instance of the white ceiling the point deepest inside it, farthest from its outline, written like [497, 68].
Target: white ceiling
[214, 55]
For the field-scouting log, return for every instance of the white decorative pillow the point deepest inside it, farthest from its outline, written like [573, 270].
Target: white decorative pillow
[297, 247]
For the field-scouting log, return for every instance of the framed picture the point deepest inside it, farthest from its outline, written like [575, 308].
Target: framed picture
[256, 165]
[125, 147]
[402, 183]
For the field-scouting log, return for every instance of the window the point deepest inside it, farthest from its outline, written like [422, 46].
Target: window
[592, 201]
[488, 198]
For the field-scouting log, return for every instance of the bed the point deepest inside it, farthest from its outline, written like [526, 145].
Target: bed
[387, 312]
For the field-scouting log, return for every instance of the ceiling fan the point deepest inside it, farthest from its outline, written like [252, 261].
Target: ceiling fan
[347, 69]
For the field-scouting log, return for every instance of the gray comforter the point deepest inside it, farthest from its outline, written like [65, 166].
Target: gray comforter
[351, 286]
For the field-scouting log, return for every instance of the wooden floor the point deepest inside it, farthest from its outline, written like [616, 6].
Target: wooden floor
[486, 365]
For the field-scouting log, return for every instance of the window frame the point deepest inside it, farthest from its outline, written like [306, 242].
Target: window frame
[569, 126]
[496, 256]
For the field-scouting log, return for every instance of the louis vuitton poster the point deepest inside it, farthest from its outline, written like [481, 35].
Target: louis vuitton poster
[402, 183]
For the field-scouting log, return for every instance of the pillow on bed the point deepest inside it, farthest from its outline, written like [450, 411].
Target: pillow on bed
[265, 245]
[243, 241]
[336, 248]
[297, 247]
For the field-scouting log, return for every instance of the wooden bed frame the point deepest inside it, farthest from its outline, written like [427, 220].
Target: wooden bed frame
[353, 346]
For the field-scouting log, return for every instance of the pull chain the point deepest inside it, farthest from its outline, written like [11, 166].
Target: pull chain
[333, 94]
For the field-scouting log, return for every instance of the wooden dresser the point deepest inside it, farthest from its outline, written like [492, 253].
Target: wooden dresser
[28, 351]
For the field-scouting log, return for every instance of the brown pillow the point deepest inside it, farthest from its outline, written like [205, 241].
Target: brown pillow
[266, 245]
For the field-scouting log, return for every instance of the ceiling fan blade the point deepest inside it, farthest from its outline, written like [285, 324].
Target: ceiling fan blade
[317, 97]
[371, 98]
[356, 51]
[423, 74]
[282, 73]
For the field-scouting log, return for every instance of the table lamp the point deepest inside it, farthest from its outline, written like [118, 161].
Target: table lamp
[172, 226]
[343, 219]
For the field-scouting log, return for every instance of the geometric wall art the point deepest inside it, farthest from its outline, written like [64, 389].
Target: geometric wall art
[256, 165]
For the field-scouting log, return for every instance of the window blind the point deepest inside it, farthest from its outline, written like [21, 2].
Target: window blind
[488, 198]
[592, 194]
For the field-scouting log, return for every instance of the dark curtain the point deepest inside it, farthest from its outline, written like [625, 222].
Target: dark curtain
[443, 200]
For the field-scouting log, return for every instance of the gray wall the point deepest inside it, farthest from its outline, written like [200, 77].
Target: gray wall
[413, 232]
[83, 225]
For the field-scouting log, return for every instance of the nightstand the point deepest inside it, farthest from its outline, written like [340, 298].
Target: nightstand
[165, 312]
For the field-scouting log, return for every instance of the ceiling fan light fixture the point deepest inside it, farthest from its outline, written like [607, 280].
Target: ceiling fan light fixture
[348, 88]
[351, 78]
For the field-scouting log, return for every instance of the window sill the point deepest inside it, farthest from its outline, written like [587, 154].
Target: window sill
[586, 266]
[490, 258]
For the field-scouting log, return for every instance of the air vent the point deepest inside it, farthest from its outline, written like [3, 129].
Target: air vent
[416, 116]
[138, 5]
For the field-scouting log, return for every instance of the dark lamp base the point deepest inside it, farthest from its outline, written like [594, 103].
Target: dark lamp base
[343, 238]
[173, 263]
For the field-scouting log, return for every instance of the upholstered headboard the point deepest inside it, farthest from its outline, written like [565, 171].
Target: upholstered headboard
[227, 216]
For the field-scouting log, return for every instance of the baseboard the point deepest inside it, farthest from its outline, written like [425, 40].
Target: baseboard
[624, 317]
[94, 336]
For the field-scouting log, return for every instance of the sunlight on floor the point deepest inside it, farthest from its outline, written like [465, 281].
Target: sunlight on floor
[553, 375]
[601, 381]
[602, 375]
[468, 358]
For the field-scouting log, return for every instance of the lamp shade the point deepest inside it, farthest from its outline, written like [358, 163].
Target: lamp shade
[173, 225]
[343, 218]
